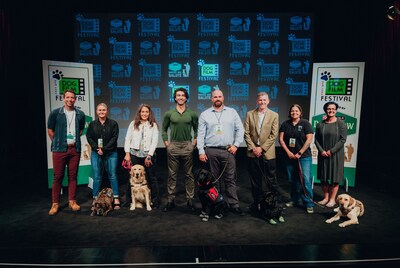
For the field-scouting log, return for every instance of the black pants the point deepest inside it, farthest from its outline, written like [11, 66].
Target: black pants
[262, 177]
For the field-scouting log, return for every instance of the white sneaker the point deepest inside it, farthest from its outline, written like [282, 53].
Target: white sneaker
[290, 204]
[218, 216]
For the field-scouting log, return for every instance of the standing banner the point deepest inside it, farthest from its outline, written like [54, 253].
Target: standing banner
[59, 76]
[343, 84]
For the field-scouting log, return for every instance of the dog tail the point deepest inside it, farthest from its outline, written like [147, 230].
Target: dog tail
[361, 205]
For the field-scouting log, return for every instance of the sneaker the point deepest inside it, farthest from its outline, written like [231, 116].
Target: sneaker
[290, 204]
[281, 219]
[203, 214]
[310, 210]
[205, 218]
[272, 221]
[218, 216]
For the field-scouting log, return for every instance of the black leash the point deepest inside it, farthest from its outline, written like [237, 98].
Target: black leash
[304, 188]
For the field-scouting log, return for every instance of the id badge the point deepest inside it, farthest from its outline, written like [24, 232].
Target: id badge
[218, 129]
[100, 143]
[292, 142]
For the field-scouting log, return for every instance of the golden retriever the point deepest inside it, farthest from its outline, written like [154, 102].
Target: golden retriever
[140, 191]
[348, 207]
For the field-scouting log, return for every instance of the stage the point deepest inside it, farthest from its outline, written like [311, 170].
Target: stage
[180, 238]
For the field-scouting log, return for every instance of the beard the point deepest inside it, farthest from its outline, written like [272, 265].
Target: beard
[218, 104]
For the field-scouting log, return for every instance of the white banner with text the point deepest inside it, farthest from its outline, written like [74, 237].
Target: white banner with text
[341, 82]
[59, 76]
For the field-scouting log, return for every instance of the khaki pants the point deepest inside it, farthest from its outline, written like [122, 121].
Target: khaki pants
[178, 151]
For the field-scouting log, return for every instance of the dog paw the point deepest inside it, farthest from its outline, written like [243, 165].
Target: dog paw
[148, 208]
[342, 225]
[328, 221]
[132, 208]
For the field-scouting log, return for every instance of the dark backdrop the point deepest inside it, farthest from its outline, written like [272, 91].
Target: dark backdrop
[345, 31]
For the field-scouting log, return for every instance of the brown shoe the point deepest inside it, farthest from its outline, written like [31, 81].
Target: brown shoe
[73, 205]
[54, 209]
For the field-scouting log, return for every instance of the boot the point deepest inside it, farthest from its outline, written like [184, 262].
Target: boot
[73, 205]
[54, 209]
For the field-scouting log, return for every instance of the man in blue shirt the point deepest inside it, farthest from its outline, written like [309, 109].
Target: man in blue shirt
[219, 136]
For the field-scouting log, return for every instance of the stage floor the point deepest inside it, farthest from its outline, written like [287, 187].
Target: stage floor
[29, 237]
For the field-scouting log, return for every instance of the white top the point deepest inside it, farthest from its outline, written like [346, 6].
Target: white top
[145, 138]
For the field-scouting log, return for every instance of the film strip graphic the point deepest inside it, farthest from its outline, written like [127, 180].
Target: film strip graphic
[339, 86]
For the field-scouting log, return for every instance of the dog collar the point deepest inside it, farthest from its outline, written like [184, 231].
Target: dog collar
[140, 184]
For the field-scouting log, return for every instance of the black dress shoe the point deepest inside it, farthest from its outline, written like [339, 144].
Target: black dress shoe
[237, 211]
[191, 206]
[169, 206]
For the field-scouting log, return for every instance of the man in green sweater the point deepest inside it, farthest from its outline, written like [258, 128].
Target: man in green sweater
[180, 121]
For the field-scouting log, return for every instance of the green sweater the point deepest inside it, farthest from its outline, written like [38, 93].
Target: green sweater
[180, 125]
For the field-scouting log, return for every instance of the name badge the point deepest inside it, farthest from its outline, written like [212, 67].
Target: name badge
[292, 142]
[218, 129]
[100, 143]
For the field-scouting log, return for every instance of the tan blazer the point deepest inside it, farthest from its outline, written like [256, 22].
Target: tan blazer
[268, 134]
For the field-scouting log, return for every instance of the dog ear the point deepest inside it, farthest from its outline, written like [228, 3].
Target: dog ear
[352, 202]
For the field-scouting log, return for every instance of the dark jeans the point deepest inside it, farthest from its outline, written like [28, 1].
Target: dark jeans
[61, 160]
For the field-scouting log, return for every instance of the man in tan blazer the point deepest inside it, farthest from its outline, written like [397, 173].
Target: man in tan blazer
[261, 131]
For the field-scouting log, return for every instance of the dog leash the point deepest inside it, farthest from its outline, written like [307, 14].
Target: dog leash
[304, 188]
[220, 175]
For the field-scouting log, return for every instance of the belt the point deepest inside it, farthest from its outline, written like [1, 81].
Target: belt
[71, 145]
[217, 147]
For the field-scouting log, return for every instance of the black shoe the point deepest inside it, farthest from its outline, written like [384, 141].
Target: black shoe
[169, 206]
[155, 204]
[237, 211]
[190, 205]
[253, 208]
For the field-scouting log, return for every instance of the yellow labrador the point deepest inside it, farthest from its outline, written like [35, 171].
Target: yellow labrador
[140, 191]
[348, 207]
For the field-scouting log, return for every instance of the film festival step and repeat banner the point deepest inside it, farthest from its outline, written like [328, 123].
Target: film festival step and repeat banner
[57, 77]
[343, 84]
[142, 58]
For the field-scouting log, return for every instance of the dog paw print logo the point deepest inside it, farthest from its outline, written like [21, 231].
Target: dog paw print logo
[79, 17]
[326, 76]
[58, 75]
[200, 17]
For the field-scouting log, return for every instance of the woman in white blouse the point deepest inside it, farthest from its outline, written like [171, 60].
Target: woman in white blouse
[140, 146]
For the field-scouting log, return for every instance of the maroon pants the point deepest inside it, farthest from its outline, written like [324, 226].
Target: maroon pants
[69, 159]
